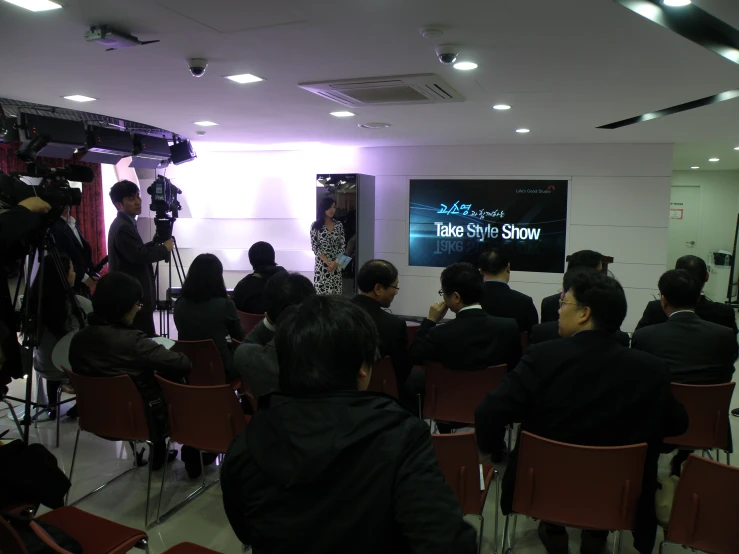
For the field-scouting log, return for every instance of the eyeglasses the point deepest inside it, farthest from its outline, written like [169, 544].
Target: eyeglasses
[394, 287]
[562, 303]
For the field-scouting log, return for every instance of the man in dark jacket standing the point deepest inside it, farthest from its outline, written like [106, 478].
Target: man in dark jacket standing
[128, 253]
[325, 467]
[69, 241]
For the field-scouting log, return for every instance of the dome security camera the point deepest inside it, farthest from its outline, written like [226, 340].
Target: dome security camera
[197, 66]
[447, 53]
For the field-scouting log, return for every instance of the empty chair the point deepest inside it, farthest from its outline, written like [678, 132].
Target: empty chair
[205, 418]
[249, 321]
[459, 461]
[99, 401]
[708, 410]
[383, 377]
[705, 508]
[207, 366]
[588, 487]
[454, 395]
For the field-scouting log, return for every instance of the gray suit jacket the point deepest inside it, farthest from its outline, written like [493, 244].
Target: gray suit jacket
[128, 253]
[256, 361]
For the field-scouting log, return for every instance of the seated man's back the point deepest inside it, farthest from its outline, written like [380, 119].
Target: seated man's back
[550, 331]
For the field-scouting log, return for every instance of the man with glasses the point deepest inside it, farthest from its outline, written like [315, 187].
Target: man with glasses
[583, 259]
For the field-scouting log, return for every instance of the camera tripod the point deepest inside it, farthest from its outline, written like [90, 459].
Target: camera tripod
[164, 226]
[31, 318]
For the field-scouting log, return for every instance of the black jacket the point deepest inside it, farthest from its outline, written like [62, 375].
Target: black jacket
[345, 472]
[696, 351]
[79, 253]
[586, 389]
[550, 308]
[393, 333]
[550, 331]
[706, 309]
[473, 340]
[248, 292]
[501, 300]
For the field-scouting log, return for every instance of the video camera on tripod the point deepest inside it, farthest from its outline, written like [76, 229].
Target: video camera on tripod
[163, 201]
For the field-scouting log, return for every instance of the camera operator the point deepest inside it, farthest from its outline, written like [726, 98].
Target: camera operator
[128, 253]
[69, 241]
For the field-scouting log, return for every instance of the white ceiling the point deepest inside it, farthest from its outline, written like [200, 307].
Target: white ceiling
[566, 67]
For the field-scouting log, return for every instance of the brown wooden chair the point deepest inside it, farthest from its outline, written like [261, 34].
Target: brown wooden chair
[207, 365]
[249, 321]
[383, 378]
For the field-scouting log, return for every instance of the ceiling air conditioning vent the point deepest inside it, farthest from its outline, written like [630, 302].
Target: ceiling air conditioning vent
[386, 91]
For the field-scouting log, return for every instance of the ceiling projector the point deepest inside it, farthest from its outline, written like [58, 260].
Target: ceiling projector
[113, 39]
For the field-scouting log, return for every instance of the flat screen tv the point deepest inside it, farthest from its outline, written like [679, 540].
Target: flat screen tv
[455, 220]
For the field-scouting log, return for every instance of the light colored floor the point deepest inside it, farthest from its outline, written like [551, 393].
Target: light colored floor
[203, 521]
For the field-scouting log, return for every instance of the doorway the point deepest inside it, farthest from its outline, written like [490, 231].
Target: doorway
[683, 227]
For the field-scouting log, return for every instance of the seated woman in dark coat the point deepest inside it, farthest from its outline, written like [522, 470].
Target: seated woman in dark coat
[205, 311]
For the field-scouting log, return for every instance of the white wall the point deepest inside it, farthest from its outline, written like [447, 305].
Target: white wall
[619, 206]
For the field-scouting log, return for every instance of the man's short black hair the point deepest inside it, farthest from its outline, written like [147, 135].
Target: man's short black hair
[261, 254]
[494, 261]
[585, 258]
[115, 295]
[465, 280]
[693, 265]
[122, 189]
[376, 272]
[680, 288]
[322, 343]
[285, 289]
[602, 294]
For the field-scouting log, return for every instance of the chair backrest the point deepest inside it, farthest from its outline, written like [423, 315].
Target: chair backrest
[578, 486]
[110, 407]
[708, 410]
[705, 507]
[249, 321]
[383, 377]
[454, 395]
[524, 341]
[10, 541]
[206, 418]
[460, 463]
[207, 365]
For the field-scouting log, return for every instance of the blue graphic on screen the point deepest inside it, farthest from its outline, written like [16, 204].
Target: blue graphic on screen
[455, 220]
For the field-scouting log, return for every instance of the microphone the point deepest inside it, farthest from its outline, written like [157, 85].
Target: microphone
[79, 173]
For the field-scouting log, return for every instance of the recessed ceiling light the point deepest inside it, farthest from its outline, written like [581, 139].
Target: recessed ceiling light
[374, 125]
[79, 98]
[676, 3]
[465, 66]
[523, 131]
[694, 167]
[501, 107]
[713, 159]
[35, 5]
[244, 78]
[342, 114]
[206, 123]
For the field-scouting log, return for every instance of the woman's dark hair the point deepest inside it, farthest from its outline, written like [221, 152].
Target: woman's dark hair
[323, 206]
[121, 190]
[283, 290]
[465, 280]
[204, 279]
[602, 294]
[115, 295]
[322, 343]
[261, 254]
[376, 272]
[55, 308]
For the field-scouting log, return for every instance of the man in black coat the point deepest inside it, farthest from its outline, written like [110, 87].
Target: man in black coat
[474, 339]
[325, 466]
[249, 292]
[586, 389]
[499, 299]
[550, 331]
[706, 309]
[128, 253]
[588, 259]
[69, 241]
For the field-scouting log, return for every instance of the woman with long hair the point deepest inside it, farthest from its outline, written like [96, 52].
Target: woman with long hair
[328, 241]
[204, 311]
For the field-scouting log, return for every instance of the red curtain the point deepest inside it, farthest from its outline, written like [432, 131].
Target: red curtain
[89, 214]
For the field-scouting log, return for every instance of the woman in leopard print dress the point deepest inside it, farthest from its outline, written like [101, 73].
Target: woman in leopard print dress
[327, 240]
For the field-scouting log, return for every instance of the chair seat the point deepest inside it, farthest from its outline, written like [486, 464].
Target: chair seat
[95, 534]
[189, 548]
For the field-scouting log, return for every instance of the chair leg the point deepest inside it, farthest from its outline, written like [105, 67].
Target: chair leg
[728, 458]
[202, 467]
[15, 417]
[496, 478]
[58, 414]
[143, 544]
[617, 543]
[504, 541]
[509, 446]
[482, 527]
[512, 538]
[164, 478]
[71, 468]
[148, 486]
[708, 452]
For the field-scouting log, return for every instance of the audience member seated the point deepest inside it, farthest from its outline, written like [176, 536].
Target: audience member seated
[474, 339]
[499, 299]
[256, 360]
[111, 346]
[582, 259]
[586, 389]
[706, 309]
[324, 466]
[57, 319]
[204, 311]
[248, 294]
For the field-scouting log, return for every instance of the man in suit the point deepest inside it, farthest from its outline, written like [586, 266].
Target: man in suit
[474, 339]
[69, 241]
[715, 312]
[586, 389]
[588, 259]
[499, 299]
[128, 253]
